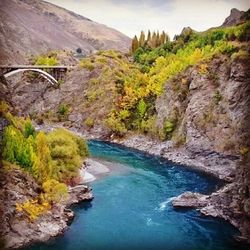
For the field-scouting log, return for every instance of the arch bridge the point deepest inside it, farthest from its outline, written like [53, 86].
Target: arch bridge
[55, 72]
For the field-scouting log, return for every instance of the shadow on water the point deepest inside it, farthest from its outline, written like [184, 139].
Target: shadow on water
[85, 205]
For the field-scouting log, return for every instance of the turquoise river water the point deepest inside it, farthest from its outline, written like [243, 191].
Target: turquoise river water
[132, 208]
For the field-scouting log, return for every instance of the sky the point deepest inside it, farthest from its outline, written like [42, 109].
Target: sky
[130, 17]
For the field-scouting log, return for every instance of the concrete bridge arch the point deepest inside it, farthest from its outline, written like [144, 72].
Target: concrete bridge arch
[43, 73]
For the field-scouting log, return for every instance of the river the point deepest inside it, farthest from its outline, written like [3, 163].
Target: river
[132, 208]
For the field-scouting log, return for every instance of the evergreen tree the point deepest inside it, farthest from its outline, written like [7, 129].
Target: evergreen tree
[17, 148]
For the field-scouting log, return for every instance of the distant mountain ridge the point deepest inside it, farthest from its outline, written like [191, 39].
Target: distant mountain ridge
[31, 27]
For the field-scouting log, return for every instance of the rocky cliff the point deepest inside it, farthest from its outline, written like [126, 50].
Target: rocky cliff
[32, 27]
[236, 17]
[209, 104]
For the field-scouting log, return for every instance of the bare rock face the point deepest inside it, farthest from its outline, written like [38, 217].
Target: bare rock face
[236, 16]
[43, 26]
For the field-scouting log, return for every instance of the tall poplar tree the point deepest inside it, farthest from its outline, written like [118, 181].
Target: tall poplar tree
[149, 37]
[42, 167]
[142, 39]
[163, 38]
[153, 42]
[157, 39]
[135, 44]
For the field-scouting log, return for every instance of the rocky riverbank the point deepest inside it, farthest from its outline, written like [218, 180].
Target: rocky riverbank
[213, 163]
[219, 165]
[225, 204]
[16, 229]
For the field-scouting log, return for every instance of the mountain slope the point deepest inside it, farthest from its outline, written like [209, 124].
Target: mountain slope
[33, 27]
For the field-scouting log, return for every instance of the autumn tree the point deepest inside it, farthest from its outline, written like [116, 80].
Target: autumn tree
[42, 167]
[153, 42]
[142, 39]
[135, 44]
[149, 37]
[67, 153]
[163, 38]
[158, 39]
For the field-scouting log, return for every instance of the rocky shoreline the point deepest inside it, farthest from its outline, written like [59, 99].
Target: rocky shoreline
[212, 163]
[16, 229]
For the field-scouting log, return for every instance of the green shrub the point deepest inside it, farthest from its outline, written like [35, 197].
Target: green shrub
[116, 125]
[29, 129]
[87, 64]
[101, 60]
[149, 126]
[54, 191]
[168, 128]
[94, 81]
[67, 153]
[89, 122]
[241, 54]
[18, 149]
[63, 112]
[46, 60]
[141, 108]
[217, 97]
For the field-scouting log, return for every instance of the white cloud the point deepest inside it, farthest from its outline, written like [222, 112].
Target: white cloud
[130, 17]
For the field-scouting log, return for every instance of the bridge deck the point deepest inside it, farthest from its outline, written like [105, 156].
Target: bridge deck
[35, 67]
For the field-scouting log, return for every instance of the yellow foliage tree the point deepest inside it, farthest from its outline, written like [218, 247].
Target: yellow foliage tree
[42, 167]
[54, 191]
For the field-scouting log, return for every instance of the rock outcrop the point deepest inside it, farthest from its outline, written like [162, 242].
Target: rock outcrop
[230, 203]
[236, 17]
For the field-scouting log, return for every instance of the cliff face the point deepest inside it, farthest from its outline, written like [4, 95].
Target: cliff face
[32, 27]
[210, 106]
[236, 16]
